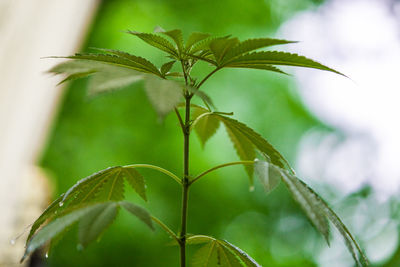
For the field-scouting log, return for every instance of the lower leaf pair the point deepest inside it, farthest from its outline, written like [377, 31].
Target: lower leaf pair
[93, 220]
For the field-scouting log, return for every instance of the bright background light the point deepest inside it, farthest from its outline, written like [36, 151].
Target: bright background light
[361, 39]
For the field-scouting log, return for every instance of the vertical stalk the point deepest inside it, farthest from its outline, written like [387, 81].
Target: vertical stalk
[185, 179]
[185, 183]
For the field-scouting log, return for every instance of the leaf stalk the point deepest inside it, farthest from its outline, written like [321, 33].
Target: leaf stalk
[149, 166]
[245, 162]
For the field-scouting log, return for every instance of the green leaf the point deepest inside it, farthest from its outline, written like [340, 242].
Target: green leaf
[138, 212]
[221, 46]
[253, 44]
[206, 125]
[127, 61]
[75, 69]
[247, 260]
[204, 45]
[177, 36]
[157, 41]
[103, 75]
[198, 239]
[95, 222]
[163, 94]
[136, 180]
[318, 212]
[49, 212]
[243, 146]
[112, 78]
[143, 63]
[308, 202]
[269, 177]
[58, 225]
[194, 38]
[258, 67]
[276, 58]
[257, 140]
[349, 240]
[165, 68]
[219, 253]
[206, 99]
[101, 186]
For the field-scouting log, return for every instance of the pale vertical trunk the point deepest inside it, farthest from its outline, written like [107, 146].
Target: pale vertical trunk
[29, 30]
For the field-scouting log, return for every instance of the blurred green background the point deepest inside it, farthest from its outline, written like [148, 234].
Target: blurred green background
[121, 128]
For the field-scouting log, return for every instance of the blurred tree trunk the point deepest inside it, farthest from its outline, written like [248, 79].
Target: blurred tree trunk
[30, 30]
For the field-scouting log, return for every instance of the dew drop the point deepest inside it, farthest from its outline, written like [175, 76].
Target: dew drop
[12, 242]
[47, 255]
[61, 204]
[251, 188]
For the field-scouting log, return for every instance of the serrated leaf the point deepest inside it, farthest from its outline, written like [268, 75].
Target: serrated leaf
[221, 46]
[76, 76]
[117, 60]
[206, 98]
[75, 69]
[219, 253]
[349, 240]
[57, 226]
[269, 177]
[204, 45]
[136, 180]
[112, 78]
[138, 212]
[276, 58]
[49, 212]
[95, 222]
[163, 94]
[194, 38]
[205, 126]
[243, 146]
[101, 186]
[177, 36]
[258, 141]
[318, 212]
[165, 68]
[253, 44]
[142, 63]
[157, 41]
[258, 67]
[213, 255]
[103, 75]
[247, 260]
[198, 239]
[308, 202]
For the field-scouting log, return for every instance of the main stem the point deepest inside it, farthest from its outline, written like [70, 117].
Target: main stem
[185, 182]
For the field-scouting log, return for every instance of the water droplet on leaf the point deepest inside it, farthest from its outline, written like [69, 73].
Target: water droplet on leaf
[61, 204]
[47, 255]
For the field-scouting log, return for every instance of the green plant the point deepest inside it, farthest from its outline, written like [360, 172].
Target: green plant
[95, 200]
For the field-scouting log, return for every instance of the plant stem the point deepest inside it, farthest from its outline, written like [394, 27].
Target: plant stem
[206, 78]
[148, 166]
[166, 228]
[185, 182]
[245, 162]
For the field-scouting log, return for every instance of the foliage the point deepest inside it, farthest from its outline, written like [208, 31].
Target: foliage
[94, 201]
